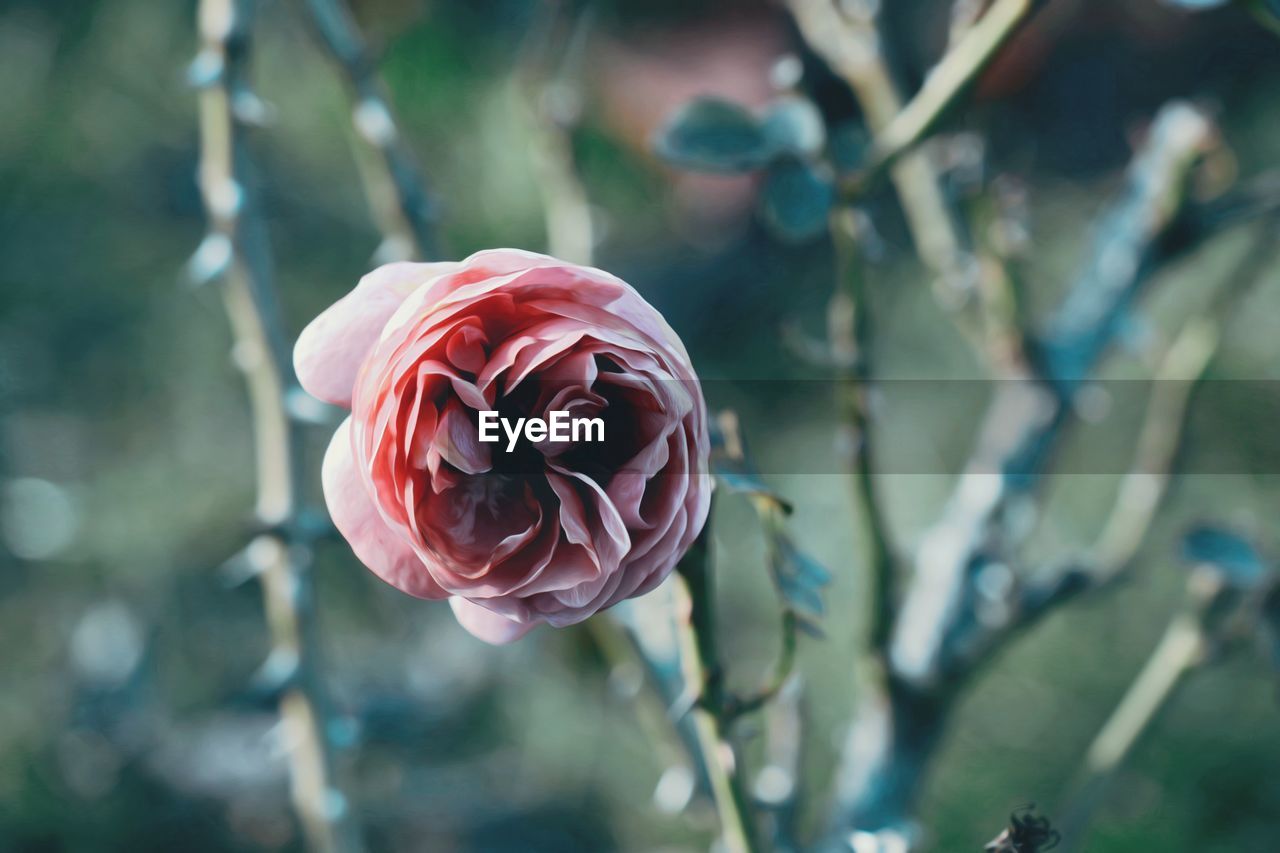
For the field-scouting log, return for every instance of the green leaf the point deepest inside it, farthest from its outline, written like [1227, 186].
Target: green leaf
[849, 145]
[712, 135]
[1230, 553]
[797, 200]
[793, 125]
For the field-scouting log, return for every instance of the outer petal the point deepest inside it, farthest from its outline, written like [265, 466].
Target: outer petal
[332, 347]
[377, 546]
[486, 625]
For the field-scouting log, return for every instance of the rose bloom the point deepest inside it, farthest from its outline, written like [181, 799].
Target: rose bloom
[552, 531]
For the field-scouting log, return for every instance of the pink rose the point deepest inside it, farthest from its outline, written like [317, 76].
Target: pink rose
[552, 531]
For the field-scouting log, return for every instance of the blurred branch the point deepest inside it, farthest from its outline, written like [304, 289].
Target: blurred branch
[1214, 611]
[797, 578]
[548, 81]
[850, 43]
[1179, 373]
[849, 330]
[704, 673]
[1027, 420]
[938, 630]
[235, 252]
[1003, 249]
[393, 182]
[779, 784]
[970, 54]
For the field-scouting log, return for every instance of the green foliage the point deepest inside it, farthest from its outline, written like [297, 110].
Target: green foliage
[1232, 555]
[720, 137]
[797, 199]
[793, 125]
[712, 135]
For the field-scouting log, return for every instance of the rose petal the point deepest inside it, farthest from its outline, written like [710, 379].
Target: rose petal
[377, 546]
[332, 347]
[486, 625]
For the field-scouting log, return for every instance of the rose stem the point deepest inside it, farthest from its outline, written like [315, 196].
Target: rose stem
[235, 252]
[703, 672]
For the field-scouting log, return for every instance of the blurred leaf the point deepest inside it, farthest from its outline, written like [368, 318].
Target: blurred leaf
[797, 199]
[711, 135]
[1231, 554]
[745, 482]
[849, 144]
[1198, 5]
[799, 577]
[793, 125]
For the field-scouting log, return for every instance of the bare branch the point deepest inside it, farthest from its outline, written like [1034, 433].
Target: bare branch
[394, 184]
[851, 45]
[235, 252]
[1217, 611]
[704, 672]
[549, 86]
[941, 625]
[849, 330]
[949, 80]
[1027, 419]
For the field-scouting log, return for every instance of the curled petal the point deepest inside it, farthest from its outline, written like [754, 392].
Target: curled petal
[380, 548]
[332, 347]
[486, 625]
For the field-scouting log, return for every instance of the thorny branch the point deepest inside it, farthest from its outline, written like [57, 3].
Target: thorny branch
[235, 251]
[850, 43]
[548, 82]
[944, 626]
[393, 182]
[1213, 611]
[704, 671]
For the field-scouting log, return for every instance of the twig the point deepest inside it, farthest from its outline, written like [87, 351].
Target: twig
[936, 633]
[703, 671]
[1003, 247]
[548, 81]
[736, 706]
[1027, 420]
[235, 252]
[393, 182]
[1180, 373]
[779, 785]
[1214, 611]
[849, 330]
[850, 44]
[959, 68]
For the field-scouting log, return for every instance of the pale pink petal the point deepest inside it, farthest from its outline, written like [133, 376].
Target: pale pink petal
[332, 347]
[386, 553]
[486, 625]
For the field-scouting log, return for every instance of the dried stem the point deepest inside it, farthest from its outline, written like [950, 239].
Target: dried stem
[394, 184]
[850, 43]
[704, 672]
[850, 333]
[972, 52]
[548, 82]
[1213, 612]
[940, 632]
[235, 251]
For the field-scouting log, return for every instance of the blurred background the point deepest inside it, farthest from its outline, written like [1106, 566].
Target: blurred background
[128, 716]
